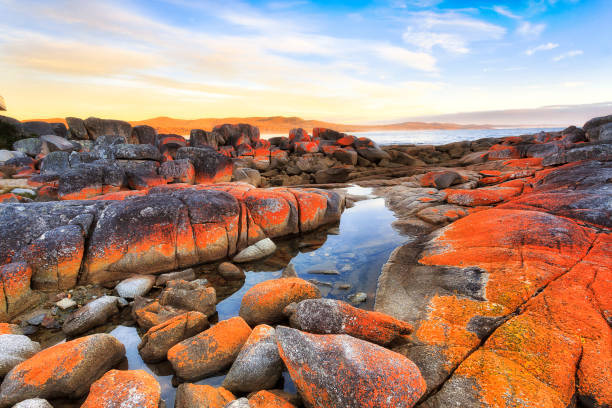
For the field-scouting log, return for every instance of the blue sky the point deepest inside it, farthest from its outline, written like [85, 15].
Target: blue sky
[357, 61]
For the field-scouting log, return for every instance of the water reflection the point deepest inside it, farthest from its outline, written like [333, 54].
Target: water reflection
[356, 249]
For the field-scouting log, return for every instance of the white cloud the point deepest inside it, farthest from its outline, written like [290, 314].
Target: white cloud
[569, 54]
[504, 11]
[530, 30]
[451, 31]
[542, 47]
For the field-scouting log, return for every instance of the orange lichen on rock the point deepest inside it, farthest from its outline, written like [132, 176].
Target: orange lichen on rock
[341, 371]
[210, 351]
[7, 328]
[159, 339]
[194, 395]
[480, 196]
[265, 399]
[15, 293]
[124, 389]
[264, 302]
[63, 370]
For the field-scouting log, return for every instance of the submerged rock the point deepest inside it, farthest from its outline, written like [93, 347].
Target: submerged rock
[65, 370]
[341, 371]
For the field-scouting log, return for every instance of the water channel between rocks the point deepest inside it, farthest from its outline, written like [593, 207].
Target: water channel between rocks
[357, 248]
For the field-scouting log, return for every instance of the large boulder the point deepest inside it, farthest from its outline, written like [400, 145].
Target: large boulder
[329, 316]
[15, 293]
[76, 129]
[65, 370]
[258, 365]
[144, 134]
[31, 146]
[136, 152]
[16, 348]
[11, 130]
[202, 138]
[236, 135]
[198, 396]
[210, 351]
[178, 171]
[341, 371]
[159, 339]
[55, 257]
[124, 389]
[265, 302]
[210, 166]
[599, 129]
[93, 314]
[55, 163]
[37, 128]
[85, 181]
[54, 143]
[100, 127]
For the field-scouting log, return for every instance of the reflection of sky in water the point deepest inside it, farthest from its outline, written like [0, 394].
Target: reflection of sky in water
[365, 241]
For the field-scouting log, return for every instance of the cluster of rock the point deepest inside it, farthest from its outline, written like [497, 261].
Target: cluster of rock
[55, 245]
[97, 156]
[334, 353]
[512, 305]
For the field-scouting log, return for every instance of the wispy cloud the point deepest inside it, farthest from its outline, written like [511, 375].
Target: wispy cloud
[542, 47]
[569, 54]
[530, 30]
[451, 31]
[505, 11]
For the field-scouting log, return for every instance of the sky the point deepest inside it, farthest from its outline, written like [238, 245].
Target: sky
[344, 61]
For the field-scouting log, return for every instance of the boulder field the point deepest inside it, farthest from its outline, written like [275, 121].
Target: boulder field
[501, 298]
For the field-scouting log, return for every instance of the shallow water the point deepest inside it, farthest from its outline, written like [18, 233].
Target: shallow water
[356, 248]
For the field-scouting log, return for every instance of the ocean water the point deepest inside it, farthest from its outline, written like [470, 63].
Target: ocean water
[438, 137]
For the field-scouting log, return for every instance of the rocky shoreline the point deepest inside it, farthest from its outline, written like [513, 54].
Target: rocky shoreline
[500, 299]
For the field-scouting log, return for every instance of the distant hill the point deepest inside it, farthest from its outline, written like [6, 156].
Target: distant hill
[280, 124]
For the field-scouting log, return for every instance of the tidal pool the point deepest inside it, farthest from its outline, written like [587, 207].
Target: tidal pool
[347, 259]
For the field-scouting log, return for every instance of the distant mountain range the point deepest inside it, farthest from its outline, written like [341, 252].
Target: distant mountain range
[545, 116]
[281, 124]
